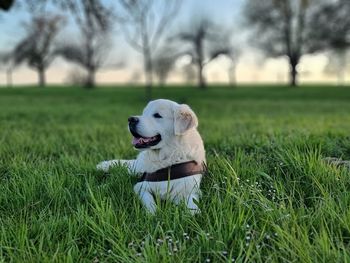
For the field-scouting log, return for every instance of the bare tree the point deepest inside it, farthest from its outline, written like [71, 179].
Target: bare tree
[6, 64]
[225, 47]
[76, 77]
[36, 48]
[338, 64]
[100, 13]
[145, 24]
[330, 26]
[330, 32]
[94, 22]
[162, 67]
[202, 36]
[164, 62]
[88, 13]
[90, 54]
[282, 28]
[189, 73]
[136, 77]
[234, 57]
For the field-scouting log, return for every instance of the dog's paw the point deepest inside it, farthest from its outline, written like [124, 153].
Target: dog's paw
[103, 166]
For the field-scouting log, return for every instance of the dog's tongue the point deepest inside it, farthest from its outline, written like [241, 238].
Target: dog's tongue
[136, 141]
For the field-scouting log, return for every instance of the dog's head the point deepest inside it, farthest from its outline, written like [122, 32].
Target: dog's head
[161, 122]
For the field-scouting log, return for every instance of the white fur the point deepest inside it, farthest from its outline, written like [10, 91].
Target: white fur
[180, 143]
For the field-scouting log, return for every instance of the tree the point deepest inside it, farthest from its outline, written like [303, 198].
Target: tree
[94, 21]
[89, 53]
[202, 36]
[337, 64]
[330, 32]
[98, 10]
[145, 23]
[164, 62]
[226, 47]
[7, 64]
[88, 13]
[232, 72]
[189, 73]
[330, 26]
[90, 57]
[282, 28]
[36, 48]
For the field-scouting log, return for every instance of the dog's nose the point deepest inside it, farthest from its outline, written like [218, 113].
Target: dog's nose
[133, 120]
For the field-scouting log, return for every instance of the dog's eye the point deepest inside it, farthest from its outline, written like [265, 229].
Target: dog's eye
[157, 115]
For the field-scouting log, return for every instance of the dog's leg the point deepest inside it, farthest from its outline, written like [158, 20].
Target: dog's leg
[146, 197]
[148, 201]
[106, 165]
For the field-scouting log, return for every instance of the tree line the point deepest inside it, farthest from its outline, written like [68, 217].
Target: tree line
[279, 28]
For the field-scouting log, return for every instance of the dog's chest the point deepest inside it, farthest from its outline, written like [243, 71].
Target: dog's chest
[173, 189]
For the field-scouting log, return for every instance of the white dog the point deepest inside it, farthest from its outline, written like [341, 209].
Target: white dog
[172, 160]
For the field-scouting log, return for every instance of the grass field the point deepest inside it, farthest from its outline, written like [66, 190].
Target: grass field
[269, 197]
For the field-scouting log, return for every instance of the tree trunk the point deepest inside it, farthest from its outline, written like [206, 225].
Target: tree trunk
[293, 62]
[232, 75]
[293, 76]
[162, 81]
[148, 67]
[341, 77]
[341, 67]
[201, 79]
[9, 77]
[148, 71]
[42, 77]
[90, 83]
[200, 59]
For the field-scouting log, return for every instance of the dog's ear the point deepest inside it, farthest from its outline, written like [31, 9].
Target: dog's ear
[184, 119]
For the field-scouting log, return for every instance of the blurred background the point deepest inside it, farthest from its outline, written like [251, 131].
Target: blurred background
[269, 82]
[157, 42]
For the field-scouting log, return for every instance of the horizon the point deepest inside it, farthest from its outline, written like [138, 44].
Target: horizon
[251, 67]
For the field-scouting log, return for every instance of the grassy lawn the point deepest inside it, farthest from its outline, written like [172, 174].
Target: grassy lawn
[269, 197]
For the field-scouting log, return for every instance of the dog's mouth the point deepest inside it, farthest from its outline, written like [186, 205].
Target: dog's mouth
[141, 142]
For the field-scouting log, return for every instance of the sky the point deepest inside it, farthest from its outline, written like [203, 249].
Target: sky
[251, 66]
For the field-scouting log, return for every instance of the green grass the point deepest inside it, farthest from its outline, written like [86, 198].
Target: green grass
[269, 197]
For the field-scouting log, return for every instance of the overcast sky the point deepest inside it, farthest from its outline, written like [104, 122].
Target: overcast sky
[225, 12]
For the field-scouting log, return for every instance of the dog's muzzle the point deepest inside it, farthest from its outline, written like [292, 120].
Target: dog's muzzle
[140, 141]
[133, 121]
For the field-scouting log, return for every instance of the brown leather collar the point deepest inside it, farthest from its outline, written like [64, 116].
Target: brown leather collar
[175, 171]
